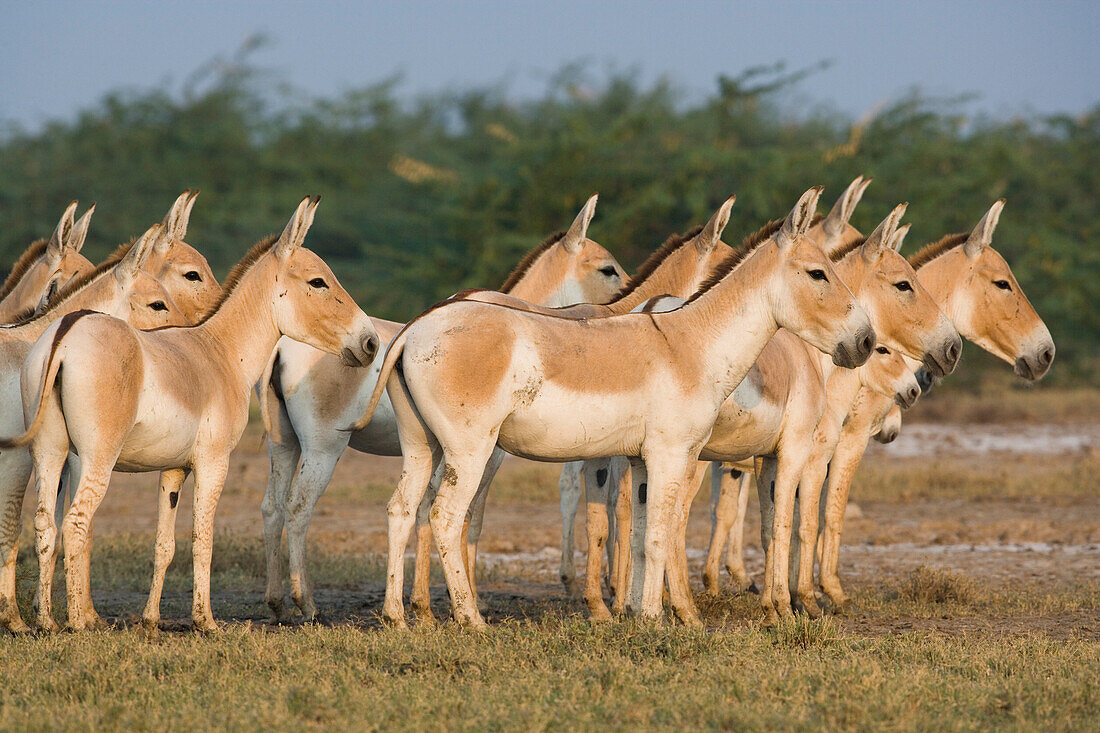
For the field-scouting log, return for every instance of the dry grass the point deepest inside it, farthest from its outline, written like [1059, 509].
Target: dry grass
[931, 585]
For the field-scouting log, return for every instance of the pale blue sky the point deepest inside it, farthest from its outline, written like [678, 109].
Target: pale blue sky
[1019, 56]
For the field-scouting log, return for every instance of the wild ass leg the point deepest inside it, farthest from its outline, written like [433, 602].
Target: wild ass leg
[283, 456]
[735, 554]
[639, 500]
[569, 485]
[310, 483]
[729, 497]
[49, 450]
[95, 476]
[791, 467]
[620, 568]
[15, 471]
[462, 474]
[165, 547]
[420, 597]
[209, 482]
[765, 491]
[417, 450]
[476, 518]
[597, 480]
[667, 477]
[846, 459]
[679, 583]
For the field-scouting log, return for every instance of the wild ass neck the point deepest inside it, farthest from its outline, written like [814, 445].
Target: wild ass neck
[729, 324]
[243, 330]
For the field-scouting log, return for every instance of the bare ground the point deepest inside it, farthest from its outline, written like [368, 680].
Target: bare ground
[1032, 553]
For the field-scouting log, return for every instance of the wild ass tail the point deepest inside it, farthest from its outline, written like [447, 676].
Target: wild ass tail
[394, 351]
[265, 389]
[392, 354]
[53, 366]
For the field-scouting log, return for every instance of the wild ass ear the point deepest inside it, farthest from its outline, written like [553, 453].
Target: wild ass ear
[295, 233]
[845, 206]
[711, 234]
[52, 289]
[175, 221]
[798, 221]
[982, 236]
[899, 237]
[80, 230]
[127, 268]
[55, 249]
[578, 231]
[878, 240]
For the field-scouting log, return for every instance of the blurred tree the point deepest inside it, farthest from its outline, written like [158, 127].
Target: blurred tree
[428, 196]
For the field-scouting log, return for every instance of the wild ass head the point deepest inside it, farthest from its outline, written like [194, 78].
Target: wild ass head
[179, 266]
[983, 298]
[569, 269]
[309, 303]
[904, 314]
[58, 257]
[809, 298]
[888, 373]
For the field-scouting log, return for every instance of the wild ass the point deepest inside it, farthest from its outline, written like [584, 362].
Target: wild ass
[59, 256]
[603, 479]
[905, 317]
[474, 375]
[678, 267]
[118, 286]
[316, 397]
[173, 400]
[982, 297]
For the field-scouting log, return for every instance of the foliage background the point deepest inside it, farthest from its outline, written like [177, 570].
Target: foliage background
[423, 197]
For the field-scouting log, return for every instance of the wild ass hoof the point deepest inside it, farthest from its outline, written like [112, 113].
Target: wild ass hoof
[150, 629]
[45, 624]
[752, 588]
[572, 587]
[14, 623]
[471, 621]
[424, 617]
[598, 612]
[394, 619]
[204, 625]
[809, 607]
[279, 612]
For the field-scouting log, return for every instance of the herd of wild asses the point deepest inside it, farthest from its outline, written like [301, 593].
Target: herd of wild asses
[776, 361]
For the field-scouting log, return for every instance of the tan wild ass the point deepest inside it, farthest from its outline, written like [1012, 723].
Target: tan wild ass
[118, 286]
[316, 397]
[982, 297]
[678, 268]
[185, 412]
[59, 256]
[904, 316]
[474, 374]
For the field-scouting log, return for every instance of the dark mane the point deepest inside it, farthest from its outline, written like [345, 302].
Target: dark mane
[673, 243]
[239, 270]
[528, 260]
[19, 269]
[931, 251]
[841, 252]
[769, 230]
[75, 286]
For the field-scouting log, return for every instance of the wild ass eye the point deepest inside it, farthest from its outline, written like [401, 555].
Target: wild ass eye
[318, 283]
[882, 350]
[818, 275]
[193, 276]
[609, 271]
[1002, 284]
[904, 286]
[158, 305]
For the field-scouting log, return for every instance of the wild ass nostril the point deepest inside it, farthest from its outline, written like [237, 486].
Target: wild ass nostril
[866, 342]
[952, 352]
[914, 393]
[1046, 356]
